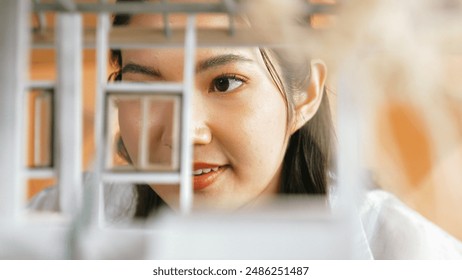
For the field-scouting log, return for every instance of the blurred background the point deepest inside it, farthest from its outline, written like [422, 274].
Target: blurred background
[413, 144]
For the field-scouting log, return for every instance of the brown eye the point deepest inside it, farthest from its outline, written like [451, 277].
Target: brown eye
[226, 83]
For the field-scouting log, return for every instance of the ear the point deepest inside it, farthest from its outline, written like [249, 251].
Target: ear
[307, 102]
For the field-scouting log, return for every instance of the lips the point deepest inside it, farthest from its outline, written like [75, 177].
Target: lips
[204, 174]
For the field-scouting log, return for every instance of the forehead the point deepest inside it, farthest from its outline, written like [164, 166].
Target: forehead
[178, 21]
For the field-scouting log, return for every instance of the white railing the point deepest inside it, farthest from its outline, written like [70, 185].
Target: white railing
[80, 231]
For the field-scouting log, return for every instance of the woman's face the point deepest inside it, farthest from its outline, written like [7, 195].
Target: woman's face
[239, 123]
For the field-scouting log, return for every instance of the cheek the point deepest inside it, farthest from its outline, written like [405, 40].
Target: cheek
[160, 123]
[253, 132]
[266, 133]
[129, 124]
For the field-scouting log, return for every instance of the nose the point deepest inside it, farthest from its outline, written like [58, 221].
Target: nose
[202, 133]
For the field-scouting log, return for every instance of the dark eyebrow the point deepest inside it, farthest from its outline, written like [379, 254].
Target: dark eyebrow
[201, 66]
[220, 60]
[140, 69]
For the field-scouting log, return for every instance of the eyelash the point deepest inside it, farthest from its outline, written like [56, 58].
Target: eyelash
[235, 77]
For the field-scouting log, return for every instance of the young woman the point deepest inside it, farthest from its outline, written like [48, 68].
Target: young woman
[261, 124]
[261, 127]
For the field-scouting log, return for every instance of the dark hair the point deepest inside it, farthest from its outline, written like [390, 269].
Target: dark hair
[308, 157]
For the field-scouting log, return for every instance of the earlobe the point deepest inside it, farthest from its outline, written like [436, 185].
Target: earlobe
[307, 102]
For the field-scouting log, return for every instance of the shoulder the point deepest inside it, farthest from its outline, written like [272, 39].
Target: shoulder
[395, 231]
[119, 202]
[45, 200]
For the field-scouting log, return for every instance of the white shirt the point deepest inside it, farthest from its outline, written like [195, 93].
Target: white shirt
[392, 230]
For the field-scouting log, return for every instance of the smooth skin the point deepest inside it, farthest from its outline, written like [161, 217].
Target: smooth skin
[240, 119]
